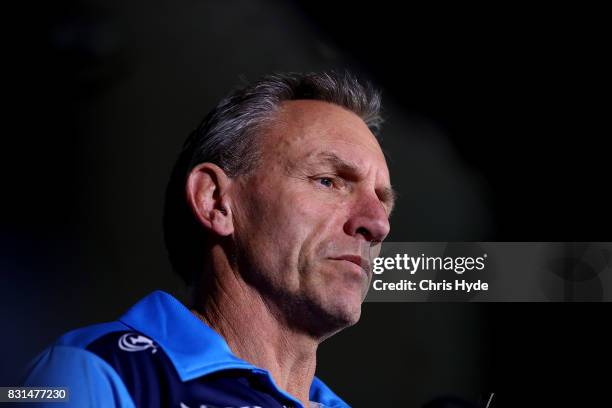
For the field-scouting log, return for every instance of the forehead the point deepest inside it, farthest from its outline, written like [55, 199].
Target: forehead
[304, 128]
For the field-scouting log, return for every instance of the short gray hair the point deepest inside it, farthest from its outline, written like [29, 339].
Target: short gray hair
[228, 135]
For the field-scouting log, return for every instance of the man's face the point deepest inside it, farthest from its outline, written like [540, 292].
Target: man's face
[308, 219]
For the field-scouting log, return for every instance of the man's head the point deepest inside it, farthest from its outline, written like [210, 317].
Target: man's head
[286, 180]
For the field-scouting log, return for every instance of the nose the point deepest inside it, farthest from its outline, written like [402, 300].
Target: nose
[368, 219]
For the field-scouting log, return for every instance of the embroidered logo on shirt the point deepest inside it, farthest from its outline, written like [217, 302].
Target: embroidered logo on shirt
[136, 342]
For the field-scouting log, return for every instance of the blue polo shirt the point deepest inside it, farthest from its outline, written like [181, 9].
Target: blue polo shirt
[159, 354]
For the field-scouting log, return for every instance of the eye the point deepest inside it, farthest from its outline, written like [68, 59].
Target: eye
[326, 181]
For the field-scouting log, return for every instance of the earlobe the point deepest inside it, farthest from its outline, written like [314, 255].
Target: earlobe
[207, 191]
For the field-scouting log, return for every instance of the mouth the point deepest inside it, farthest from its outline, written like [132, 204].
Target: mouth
[362, 263]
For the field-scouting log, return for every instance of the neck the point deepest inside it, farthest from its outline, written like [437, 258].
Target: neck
[257, 333]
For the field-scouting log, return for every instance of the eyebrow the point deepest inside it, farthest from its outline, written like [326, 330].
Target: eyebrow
[386, 194]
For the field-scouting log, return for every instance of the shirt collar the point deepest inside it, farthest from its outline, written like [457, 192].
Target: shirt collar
[193, 347]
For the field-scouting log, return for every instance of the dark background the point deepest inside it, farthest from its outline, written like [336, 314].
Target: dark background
[495, 132]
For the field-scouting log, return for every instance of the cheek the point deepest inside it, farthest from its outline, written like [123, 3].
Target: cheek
[273, 224]
[322, 240]
[299, 228]
[291, 226]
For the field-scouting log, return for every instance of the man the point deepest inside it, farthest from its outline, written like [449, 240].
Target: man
[274, 209]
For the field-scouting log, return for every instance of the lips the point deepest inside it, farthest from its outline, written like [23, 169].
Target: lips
[363, 263]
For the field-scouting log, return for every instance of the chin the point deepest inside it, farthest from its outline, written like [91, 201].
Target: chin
[348, 301]
[340, 320]
[352, 315]
[333, 304]
[328, 313]
[343, 312]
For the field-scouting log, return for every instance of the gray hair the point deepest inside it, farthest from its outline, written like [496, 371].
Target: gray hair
[228, 135]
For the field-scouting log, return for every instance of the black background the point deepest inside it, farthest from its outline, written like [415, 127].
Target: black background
[495, 132]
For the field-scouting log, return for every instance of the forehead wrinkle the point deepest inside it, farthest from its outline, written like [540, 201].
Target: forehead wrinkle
[386, 194]
[334, 160]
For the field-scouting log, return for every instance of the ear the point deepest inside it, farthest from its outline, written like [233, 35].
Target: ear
[207, 187]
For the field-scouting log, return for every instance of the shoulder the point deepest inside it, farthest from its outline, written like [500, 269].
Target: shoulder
[72, 362]
[90, 380]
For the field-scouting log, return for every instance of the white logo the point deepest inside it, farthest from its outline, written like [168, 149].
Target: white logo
[136, 342]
